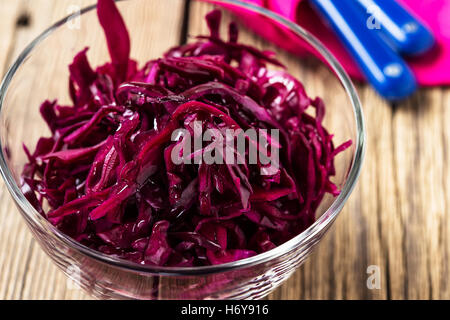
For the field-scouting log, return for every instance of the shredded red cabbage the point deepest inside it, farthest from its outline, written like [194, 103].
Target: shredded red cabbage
[107, 176]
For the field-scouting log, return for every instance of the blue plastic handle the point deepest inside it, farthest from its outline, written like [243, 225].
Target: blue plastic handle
[383, 67]
[404, 32]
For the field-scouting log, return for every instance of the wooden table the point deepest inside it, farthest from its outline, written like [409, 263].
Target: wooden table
[398, 217]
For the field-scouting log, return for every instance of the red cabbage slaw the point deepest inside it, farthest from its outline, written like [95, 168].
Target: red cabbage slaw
[109, 182]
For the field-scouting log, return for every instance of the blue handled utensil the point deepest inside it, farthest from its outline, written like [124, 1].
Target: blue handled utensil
[404, 32]
[383, 68]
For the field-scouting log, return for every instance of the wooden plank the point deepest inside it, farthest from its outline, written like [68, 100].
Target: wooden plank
[8, 22]
[444, 223]
[420, 160]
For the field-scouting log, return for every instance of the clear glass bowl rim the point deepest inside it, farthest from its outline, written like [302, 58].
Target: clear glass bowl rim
[322, 223]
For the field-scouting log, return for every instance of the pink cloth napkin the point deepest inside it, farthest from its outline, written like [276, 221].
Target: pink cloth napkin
[431, 69]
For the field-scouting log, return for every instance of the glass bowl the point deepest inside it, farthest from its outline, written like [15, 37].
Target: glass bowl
[41, 72]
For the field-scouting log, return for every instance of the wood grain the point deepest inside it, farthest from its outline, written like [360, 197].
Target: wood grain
[397, 218]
